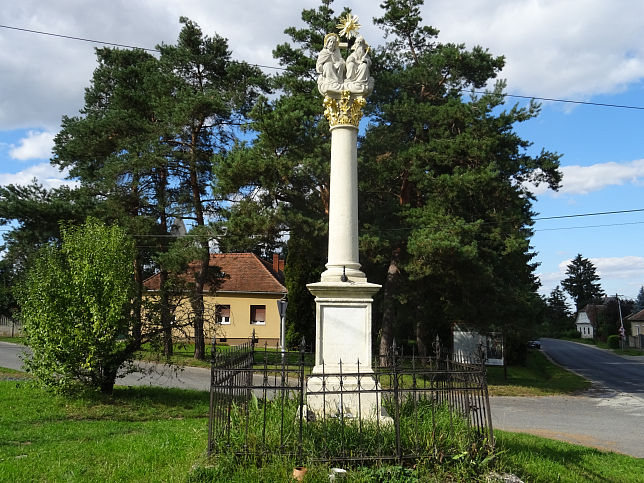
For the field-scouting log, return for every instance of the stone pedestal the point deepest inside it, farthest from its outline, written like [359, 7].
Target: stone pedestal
[343, 325]
[342, 381]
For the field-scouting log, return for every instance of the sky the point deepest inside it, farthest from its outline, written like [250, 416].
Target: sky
[580, 50]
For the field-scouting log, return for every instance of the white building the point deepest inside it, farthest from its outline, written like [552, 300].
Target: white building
[584, 325]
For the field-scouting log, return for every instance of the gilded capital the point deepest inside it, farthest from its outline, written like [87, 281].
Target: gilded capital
[345, 110]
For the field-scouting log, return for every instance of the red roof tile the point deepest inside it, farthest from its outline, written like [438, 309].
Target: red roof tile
[242, 272]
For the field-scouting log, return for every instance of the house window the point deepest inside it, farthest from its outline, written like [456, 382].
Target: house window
[258, 314]
[223, 314]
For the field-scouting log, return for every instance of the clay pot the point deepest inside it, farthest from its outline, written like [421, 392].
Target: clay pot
[299, 472]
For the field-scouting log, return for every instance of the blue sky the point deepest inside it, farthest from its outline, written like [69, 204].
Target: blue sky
[587, 50]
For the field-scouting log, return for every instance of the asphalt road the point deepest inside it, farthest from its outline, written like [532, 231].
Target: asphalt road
[10, 355]
[146, 374]
[608, 416]
[622, 374]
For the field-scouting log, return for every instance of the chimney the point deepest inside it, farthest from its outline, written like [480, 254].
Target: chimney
[276, 262]
[282, 264]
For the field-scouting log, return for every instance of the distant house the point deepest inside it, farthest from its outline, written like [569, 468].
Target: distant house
[244, 299]
[636, 338]
[588, 317]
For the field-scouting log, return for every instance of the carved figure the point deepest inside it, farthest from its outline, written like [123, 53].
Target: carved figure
[358, 79]
[330, 65]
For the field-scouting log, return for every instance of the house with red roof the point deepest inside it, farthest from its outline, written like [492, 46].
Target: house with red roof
[243, 298]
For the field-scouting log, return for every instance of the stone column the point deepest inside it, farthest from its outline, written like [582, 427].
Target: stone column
[343, 297]
[343, 207]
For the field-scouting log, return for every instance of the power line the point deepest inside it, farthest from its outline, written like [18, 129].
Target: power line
[77, 38]
[589, 214]
[589, 226]
[517, 96]
[568, 101]
[558, 217]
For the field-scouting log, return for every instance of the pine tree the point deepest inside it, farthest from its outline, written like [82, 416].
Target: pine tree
[280, 182]
[144, 143]
[582, 282]
[557, 316]
[442, 177]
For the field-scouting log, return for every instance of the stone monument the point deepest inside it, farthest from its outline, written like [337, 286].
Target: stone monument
[343, 297]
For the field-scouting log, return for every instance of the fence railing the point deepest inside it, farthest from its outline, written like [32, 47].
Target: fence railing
[9, 327]
[427, 406]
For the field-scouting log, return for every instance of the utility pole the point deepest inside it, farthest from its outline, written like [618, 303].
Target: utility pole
[622, 331]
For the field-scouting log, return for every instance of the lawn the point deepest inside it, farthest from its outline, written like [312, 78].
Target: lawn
[139, 434]
[536, 459]
[539, 377]
[150, 434]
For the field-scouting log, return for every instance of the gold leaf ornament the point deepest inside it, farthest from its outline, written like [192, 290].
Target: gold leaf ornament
[344, 111]
[349, 26]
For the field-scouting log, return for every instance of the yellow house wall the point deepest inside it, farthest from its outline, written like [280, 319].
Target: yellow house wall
[240, 326]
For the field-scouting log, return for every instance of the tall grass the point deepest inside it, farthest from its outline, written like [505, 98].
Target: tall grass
[264, 430]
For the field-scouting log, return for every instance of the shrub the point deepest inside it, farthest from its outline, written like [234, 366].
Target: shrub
[571, 334]
[613, 341]
[74, 304]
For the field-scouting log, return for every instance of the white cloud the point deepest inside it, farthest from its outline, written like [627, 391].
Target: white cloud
[620, 267]
[37, 145]
[553, 48]
[586, 179]
[623, 275]
[45, 174]
[612, 267]
[576, 48]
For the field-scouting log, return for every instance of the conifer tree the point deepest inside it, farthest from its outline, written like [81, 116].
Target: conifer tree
[443, 177]
[582, 282]
[144, 142]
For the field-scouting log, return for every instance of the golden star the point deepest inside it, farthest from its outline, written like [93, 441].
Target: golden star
[349, 26]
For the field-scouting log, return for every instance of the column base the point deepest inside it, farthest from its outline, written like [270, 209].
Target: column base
[351, 397]
[337, 273]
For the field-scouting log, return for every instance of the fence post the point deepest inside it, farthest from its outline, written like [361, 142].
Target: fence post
[211, 421]
[396, 402]
[302, 388]
[488, 414]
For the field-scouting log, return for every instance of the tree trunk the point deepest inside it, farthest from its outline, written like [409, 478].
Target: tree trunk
[198, 320]
[200, 276]
[389, 304]
[164, 296]
[166, 316]
[108, 378]
[136, 302]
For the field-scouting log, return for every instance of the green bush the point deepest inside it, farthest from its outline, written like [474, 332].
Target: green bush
[571, 334]
[613, 341]
[75, 306]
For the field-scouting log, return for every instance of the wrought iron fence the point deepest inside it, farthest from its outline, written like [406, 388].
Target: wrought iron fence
[265, 403]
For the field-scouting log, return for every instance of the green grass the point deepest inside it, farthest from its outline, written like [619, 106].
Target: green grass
[151, 434]
[183, 355]
[604, 345]
[539, 377]
[538, 459]
[138, 434]
[14, 340]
